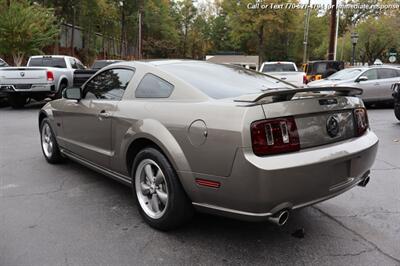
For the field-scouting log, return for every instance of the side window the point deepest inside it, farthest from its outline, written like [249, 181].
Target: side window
[108, 85]
[371, 74]
[387, 73]
[73, 63]
[152, 86]
[79, 64]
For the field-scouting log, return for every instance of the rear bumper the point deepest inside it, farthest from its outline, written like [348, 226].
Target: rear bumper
[33, 88]
[260, 186]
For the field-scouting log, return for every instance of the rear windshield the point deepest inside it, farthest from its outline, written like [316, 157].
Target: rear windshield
[278, 68]
[222, 81]
[48, 62]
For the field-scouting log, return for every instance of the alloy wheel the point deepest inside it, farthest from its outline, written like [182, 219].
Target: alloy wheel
[47, 140]
[151, 188]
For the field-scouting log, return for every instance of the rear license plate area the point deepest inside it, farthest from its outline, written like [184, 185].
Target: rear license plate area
[23, 86]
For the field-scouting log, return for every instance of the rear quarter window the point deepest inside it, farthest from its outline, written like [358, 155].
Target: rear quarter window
[152, 86]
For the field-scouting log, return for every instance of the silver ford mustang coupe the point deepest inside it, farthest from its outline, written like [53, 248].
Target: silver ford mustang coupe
[189, 135]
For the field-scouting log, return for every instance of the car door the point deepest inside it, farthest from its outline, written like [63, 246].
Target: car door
[371, 86]
[87, 123]
[387, 77]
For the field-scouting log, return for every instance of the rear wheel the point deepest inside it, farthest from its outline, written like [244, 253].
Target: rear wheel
[397, 110]
[160, 197]
[17, 101]
[49, 144]
[61, 89]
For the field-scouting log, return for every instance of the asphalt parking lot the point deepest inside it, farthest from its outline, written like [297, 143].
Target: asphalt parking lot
[69, 215]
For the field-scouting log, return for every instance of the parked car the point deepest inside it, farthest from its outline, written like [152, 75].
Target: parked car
[396, 97]
[3, 63]
[316, 70]
[3, 95]
[376, 82]
[218, 138]
[286, 71]
[43, 77]
[81, 75]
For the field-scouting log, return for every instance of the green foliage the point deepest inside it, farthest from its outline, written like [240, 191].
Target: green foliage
[190, 29]
[159, 29]
[25, 29]
[376, 37]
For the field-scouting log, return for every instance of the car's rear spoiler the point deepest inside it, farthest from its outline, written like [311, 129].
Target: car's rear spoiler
[279, 95]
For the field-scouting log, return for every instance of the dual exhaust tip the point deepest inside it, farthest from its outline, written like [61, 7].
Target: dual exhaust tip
[280, 218]
[364, 182]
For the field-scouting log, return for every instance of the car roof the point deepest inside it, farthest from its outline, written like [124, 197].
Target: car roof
[50, 56]
[109, 60]
[160, 62]
[278, 62]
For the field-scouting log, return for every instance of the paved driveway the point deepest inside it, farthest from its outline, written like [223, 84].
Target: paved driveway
[69, 215]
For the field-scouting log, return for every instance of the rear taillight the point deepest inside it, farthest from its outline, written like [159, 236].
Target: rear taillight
[274, 136]
[50, 76]
[305, 81]
[361, 121]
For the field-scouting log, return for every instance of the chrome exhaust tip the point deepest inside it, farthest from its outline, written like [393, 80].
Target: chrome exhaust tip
[280, 218]
[364, 182]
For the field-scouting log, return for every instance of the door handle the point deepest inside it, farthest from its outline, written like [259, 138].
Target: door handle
[376, 84]
[104, 114]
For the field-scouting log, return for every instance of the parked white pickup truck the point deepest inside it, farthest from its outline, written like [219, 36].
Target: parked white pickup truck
[43, 77]
[286, 71]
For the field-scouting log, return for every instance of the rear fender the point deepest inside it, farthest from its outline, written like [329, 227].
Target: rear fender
[156, 132]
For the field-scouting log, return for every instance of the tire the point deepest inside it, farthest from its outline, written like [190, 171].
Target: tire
[62, 87]
[17, 101]
[48, 142]
[397, 110]
[160, 198]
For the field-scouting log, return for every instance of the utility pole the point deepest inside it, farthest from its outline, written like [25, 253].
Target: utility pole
[121, 50]
[73, 31]
[332, 35]
[140, 33]
[306, 27]
[140, 24]
[336, 35]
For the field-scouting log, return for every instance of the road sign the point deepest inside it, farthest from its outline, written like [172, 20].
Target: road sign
[392, 59]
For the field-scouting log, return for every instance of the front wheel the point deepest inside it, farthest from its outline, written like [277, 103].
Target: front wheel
[49, 144]
[397, 110]
[160, 197]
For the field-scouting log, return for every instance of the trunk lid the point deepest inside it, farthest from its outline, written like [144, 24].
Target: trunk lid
[321, 117]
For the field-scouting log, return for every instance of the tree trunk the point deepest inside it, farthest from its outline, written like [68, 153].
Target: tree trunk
[18, 57]
[260, 35]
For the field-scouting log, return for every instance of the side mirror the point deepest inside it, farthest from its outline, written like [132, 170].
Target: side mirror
[362, 78]
[72, 94]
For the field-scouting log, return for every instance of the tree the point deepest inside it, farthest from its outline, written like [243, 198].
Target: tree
[160, 34]
[25, 29]
[187, 14]
[264, 31]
